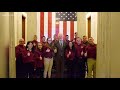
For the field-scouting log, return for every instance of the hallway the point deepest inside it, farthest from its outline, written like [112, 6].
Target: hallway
[102, 26]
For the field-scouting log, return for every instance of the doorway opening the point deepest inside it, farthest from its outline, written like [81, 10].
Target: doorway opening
[23, 27]
[89, 26]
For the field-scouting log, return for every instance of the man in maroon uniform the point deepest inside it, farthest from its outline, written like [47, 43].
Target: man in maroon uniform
[80, 63]
[19, 62]
[85, 44]
[91, 58]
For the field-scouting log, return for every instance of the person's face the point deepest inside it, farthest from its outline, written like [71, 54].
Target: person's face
[21, 42]
[70, 44]
[78, 41]
[60, 36]
[39, 45]
[84, 39]
[30, 45]
[67, 37]
[49, 40]
[43, 39]
[55, 37]
[76, 35]
[91, 40]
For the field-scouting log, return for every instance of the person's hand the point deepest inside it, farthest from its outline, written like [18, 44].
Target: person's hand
[85, 54]
[40, 57]
[55, 50]
[28, 54]
[82, 53]
[69, 52]
[34, 44]
[73, 40]
[67, 55]
[48, 50]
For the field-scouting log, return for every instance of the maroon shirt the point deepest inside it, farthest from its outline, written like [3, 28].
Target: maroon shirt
[48, 54]
[18, 51]
[71, 56]
[91, 51]
[38, 63]
[26, 58]
[78, 50]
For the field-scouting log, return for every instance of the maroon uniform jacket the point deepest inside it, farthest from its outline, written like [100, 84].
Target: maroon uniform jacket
[78, 50]
[91, 51]
[38, 63]
[18, 51]
[71, 56]
[48, 54]
[26, 58]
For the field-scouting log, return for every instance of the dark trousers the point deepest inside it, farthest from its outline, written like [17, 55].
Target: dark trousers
[19, 69]
[86, 65]
[28, 70]
[79, 68]
[60, 67]
[70, 68]
[39, 72]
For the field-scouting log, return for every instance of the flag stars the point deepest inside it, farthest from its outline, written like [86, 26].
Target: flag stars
[64, 16]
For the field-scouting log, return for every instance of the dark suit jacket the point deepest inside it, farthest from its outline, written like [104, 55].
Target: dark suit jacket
[60, 50]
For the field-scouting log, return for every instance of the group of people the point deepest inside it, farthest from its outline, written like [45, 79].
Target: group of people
[37, 59]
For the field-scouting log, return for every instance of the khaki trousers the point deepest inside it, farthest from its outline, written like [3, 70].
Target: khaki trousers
[91, 67]
[48, 63]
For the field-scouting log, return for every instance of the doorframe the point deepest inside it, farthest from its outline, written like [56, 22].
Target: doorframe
[25, 15]
[88, 16]
[38, 26]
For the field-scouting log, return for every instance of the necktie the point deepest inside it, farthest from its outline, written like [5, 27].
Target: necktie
[61, 43]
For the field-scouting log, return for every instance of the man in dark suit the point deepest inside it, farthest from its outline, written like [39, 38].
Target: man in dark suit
[60, 55]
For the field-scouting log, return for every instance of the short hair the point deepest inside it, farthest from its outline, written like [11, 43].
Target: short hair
[75, 32]
[84, 36]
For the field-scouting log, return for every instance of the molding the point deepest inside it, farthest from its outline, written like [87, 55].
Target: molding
[103, 45]
[12, 62]
[38, 26]
[25, 15]
[87, 16]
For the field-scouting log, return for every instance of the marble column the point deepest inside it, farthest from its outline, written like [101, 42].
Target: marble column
[103, 65]
[4, 44]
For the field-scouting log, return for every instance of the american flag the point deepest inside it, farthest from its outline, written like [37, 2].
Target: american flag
[50, 23]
